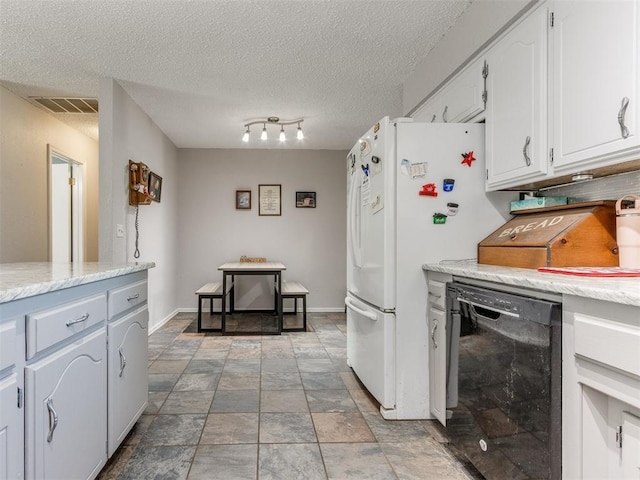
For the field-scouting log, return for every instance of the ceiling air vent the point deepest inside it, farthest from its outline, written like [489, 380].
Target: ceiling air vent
[68, 105]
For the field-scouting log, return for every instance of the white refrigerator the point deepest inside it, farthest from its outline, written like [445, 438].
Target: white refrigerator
[415, 195]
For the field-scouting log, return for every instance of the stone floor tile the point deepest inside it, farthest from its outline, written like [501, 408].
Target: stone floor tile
[242, 365]
[161, 462]
[162, 382]
[239, 381]
[235, 401]
[309, 353]
[205, 366]
[230, 428]
[284, 401]
[423, 460]
[197, 381]
[209, 354]
[174, 430]
[279, 365]
[137, 431]
[364, 401]
[225, 462]
[356, 461]
[322, 381]
[306, 365]
[351, 380]
[330, 401]
[156, 400]
[187, 402]
[117, 463]
[290, 462]
[394, 431]
[281, 381]
[341, 428]
[286, 428]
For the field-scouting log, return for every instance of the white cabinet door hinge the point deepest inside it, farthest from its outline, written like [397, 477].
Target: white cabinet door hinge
[20, 398]
[619, 436]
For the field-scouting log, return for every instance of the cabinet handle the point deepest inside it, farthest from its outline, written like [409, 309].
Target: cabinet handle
[133, 297]
[525, 149]
[433, 334]
[624, 131]
[83, 318]
[123, 361]
[433, 119]
[444, 114]
[54, 424]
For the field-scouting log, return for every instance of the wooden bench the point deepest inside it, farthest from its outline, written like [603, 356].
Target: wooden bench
[296, 290]
[210, 291]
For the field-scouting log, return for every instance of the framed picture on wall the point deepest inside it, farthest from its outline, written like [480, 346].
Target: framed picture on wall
[155, 186]
[243, 199]
[269, 200]
[305, 199]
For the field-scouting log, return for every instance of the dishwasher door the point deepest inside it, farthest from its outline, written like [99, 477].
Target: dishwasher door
[508, 375]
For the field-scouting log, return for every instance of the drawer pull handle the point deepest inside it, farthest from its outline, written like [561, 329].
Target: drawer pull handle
[123, 361]
[83, 318]
[444, 114]
[133, 297]
[52, 424]
[525, 152]
[624, 131]
[433, 334]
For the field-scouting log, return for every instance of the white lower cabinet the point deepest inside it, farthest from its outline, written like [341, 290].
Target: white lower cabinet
[11, 438]
[66, 416]
[128, 380]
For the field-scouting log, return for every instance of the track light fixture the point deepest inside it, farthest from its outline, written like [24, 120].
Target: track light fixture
[273, 121]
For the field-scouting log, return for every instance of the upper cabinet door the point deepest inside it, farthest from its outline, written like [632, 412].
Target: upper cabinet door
[595, 82]
[459, 101]
[516, 113]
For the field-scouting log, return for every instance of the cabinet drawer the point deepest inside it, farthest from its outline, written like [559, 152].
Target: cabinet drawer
[437, 293]
[49, 327]
[611, 343]
[8, 342]
[127, 297]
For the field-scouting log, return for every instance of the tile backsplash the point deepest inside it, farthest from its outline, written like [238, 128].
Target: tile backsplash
[604, 188]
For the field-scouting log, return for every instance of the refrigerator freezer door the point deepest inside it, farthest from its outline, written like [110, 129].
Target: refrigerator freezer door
[370, 349]
[371, 217]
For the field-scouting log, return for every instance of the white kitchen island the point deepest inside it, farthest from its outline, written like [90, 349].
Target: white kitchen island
[600, 361]
[73, 365]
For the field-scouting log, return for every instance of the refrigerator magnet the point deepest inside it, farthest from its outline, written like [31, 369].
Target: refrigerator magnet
[365, 148]
[404, 166]
[377, 204]
[452, 209]
[439, 218]
[468, 158]
[428, 190]
[418, 170]
[447, 184]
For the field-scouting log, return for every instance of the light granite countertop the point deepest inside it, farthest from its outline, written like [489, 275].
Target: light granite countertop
[624, 290]
[22, 280]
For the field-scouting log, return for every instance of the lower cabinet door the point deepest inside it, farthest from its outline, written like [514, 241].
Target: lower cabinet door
[11, 428]
[438, 364]
[128, 379]
[66, 415]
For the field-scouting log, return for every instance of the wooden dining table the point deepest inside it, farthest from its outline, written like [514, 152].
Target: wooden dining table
[231, 269]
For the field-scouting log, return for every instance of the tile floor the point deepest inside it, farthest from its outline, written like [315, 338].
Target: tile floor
[269, 407]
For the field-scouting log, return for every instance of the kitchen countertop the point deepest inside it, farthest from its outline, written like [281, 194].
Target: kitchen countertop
[624, 290]
[22, 280]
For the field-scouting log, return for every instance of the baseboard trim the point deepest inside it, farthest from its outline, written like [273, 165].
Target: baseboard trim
[153, 328]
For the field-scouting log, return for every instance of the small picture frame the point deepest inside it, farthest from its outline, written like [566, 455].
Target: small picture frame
[305, 199]
[269, 200]
[243, 199]
[155, 186]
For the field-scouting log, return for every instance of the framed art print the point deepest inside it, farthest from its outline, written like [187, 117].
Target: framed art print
[269, 200]
[305, 199]
[243, 199]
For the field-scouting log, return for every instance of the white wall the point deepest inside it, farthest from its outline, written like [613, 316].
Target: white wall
[475, 28]
[25, 131]
[309, 241]
[126, 132]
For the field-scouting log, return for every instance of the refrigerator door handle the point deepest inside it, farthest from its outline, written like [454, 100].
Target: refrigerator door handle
[351, 216]
[364, 313]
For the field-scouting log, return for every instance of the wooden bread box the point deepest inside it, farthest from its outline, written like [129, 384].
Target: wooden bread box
[575, 235]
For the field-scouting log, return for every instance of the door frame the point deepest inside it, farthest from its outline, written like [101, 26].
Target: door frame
[77, 202]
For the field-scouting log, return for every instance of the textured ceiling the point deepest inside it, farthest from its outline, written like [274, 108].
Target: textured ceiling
[202, 69]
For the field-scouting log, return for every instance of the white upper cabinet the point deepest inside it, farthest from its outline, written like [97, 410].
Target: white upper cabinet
[516, 112]
[596, 88]
[460, 100]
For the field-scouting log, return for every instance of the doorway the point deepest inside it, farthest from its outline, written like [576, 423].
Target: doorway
[66, 208]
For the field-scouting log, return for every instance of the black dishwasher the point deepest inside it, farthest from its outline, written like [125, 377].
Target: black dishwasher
[504, 381]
